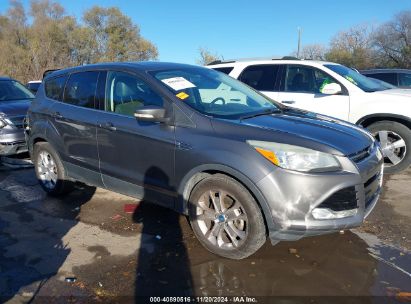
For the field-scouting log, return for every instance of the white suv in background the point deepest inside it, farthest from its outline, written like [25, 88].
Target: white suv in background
[334, 90]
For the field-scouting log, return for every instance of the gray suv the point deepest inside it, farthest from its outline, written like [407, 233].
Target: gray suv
[238, 164]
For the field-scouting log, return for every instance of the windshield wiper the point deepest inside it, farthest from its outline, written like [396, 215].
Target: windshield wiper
[265, 112]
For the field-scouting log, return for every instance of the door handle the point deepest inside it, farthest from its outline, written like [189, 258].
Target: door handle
[107, 126]
[57, 115]
[288, 101]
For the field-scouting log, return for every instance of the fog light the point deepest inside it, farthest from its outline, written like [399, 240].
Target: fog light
[328, 214]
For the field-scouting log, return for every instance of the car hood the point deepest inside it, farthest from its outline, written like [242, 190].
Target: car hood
[14, 107]
[344, 137]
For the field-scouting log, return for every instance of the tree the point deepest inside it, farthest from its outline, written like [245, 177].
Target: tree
[312, 51]
[393, 41]
[353, 47]
[116, 38]
[54, 39]
[207, 56]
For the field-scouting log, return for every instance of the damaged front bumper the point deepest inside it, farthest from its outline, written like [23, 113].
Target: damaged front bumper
[307, 204]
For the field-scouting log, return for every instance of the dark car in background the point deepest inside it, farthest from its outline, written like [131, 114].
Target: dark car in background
[400, 78]
[15, 100]
[33, 85]
[240, 165]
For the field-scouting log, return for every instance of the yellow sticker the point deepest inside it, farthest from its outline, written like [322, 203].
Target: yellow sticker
[182, 95]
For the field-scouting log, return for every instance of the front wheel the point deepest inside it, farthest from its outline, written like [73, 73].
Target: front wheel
[395, 141]
[225, 217]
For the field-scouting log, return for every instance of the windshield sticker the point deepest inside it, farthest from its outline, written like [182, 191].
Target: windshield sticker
[350, 79]
[178, 83]
[182, 95]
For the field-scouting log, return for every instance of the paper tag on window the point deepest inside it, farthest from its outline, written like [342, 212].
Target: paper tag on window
[178, 83]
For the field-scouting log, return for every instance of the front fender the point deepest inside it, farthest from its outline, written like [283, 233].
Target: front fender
[200, 172]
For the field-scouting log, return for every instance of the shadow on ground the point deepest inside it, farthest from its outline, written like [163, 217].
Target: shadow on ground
[162, 263]
[31, 233]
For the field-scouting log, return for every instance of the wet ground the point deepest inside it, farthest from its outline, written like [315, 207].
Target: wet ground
[98, 246]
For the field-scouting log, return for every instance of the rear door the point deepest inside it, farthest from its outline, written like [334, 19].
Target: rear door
[300, 87]
[136, 158]
[74, 120]
[263, 78]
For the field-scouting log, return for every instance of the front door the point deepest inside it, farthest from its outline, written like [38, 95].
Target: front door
[136, 158]
[301, 88]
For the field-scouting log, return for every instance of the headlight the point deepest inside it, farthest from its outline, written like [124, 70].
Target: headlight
[2, 123]
[296, 158]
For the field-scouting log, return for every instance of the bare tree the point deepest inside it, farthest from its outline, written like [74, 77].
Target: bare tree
[54, 39]
[314, 51]
[393, 41]
[207, 56]
[353, 47]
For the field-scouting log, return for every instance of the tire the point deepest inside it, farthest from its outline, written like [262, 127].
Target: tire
[397, 153]
[239, 230]
[49, 170]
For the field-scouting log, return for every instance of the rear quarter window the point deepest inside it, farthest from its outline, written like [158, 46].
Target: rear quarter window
[54, 87]
[225, 70]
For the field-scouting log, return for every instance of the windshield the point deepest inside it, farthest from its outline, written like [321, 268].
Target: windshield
[364, 83]
[214, 93]
[13, 90]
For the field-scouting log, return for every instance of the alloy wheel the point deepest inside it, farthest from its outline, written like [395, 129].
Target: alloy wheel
[47, 170]
[393, 147]
[222, 219]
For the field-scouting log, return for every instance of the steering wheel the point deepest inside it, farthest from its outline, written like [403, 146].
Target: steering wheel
[218, 99]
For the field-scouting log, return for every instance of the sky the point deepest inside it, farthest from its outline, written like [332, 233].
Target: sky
[239, 28]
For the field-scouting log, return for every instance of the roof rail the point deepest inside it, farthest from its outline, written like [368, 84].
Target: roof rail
[253, 59]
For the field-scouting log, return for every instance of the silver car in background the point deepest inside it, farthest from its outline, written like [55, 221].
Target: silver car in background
[15, 100]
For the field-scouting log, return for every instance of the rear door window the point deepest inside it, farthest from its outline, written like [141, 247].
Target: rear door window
[260, 77]
[81, 89]
[54, 87]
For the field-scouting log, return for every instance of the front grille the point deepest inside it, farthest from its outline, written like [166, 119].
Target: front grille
[17, 121]
[361, 155]
[372, 188]
[345, 199]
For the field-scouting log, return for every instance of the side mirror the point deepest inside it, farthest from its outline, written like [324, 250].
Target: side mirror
[331, 89]
[151, 113]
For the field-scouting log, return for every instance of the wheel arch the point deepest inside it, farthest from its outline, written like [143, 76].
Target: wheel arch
[194, 176]
[372, 118]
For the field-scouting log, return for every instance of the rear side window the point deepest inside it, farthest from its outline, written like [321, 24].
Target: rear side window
[81, 89]
[54, 87]
[260, 77]
[387, 77]
[225, 70]
[405, 80]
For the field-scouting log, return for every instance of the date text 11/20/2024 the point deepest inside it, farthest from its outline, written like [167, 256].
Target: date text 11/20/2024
[235, 299]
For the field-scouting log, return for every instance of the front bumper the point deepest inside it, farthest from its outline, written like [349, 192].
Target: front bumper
[295, 198]
[12, 141]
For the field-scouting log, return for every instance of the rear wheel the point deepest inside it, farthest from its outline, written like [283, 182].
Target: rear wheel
[49, 170]
[395, 140]
[225, 217]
